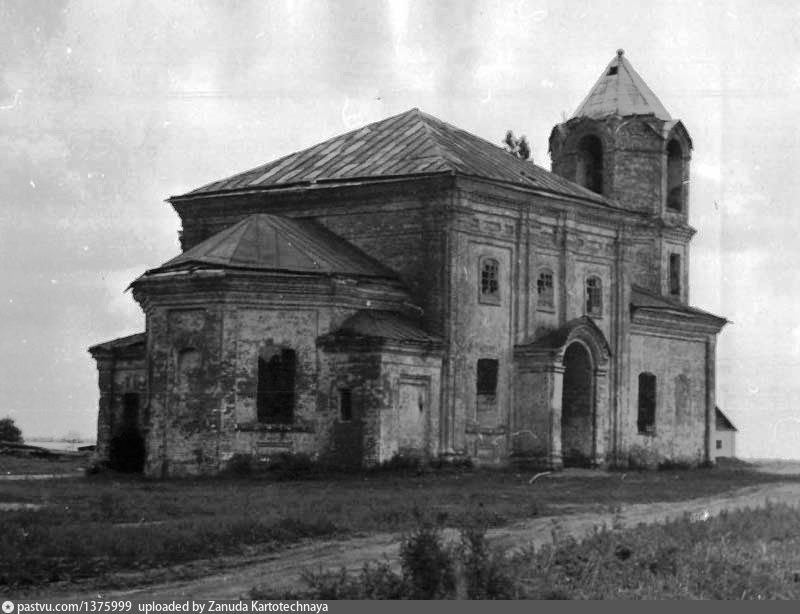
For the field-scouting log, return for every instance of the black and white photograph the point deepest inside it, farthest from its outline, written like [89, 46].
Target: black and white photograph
[309, 301]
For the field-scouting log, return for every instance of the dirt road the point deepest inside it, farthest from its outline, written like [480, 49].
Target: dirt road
[284, 569]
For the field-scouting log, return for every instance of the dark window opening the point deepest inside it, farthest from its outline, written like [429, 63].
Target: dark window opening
[130, 410]
[613, 70]
[487, 376]
[345, 404]
[674, 176]
[719, 444]
[590, 163]
[544, 289]
[675, 274]
[490, 279]
[275, 394]
[594, 296]
[646, 420]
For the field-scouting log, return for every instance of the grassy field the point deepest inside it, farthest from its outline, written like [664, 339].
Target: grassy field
[89, 527]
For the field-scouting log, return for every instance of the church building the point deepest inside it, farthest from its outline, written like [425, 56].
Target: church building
[409, 288]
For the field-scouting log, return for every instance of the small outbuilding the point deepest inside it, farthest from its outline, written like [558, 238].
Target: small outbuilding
[724, 436]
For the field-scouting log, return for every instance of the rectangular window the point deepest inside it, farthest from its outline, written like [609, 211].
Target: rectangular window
[719, 444]
[487, 385]
[487, 376]
[345, 404]
[675, 274]
[646, 419]
[594, 296]
[490, 281]
[544, 290]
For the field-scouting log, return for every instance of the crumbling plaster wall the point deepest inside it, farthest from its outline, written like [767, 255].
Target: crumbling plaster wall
[679, 365]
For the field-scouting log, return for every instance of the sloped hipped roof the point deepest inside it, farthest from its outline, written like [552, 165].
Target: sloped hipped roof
[275, 243]
[621, 91]
[722, 422]
[383, 325]
[371, 326]
[410, 144]
[644, 299]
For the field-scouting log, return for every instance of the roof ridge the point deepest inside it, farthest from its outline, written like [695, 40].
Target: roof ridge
[424, 118]
[277, 161]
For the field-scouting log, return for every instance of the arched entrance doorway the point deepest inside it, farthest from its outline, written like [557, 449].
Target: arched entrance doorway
[577, 408]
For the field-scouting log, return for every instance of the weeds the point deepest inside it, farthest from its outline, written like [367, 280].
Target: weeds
[738, 555]
[107, 523]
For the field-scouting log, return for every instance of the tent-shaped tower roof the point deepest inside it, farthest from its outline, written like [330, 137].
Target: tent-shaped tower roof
[621, 91]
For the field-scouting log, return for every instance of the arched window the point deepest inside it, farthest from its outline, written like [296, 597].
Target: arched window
[674, 176]
[646, 419]
[275, 393]
[544, 289]
[490, 280]
[590, 163]
[594, 296]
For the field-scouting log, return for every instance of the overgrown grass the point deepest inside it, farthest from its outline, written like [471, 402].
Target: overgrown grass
[738, 555]
[93, 526]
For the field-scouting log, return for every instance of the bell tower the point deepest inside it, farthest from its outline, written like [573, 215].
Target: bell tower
[622, 143]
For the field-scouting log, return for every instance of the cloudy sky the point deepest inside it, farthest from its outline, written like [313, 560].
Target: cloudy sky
[108, 107]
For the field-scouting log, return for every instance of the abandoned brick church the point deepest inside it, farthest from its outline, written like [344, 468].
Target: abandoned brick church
[410, 288]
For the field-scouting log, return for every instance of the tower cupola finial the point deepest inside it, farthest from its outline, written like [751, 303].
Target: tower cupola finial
[620, 52]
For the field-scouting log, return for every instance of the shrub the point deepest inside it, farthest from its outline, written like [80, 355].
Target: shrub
[240, 465]
[427, 564]
[401, 463]
[482, 574]
[290, 466]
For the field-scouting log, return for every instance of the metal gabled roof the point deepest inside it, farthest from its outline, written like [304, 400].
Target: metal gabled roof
[275, 243]
[621, 91]
[410, 144]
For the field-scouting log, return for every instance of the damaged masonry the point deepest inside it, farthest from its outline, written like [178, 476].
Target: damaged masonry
[411, 289]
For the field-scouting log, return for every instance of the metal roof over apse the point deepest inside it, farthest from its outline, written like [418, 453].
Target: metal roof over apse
[271, 242]
[383, 325]
[410, 144]
[621, 91]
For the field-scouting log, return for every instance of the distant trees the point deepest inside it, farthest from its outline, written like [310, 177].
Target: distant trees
[9, 431]
[517, 146]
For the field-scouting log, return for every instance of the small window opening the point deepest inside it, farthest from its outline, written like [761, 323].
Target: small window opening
[674, 176]
[487, 376]
[490, 275]
[544, 289]
[613, 70]
[275, 394]
[646, 419]
[594, 296]
[675, 274]
[345, 404]
[719, 444]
